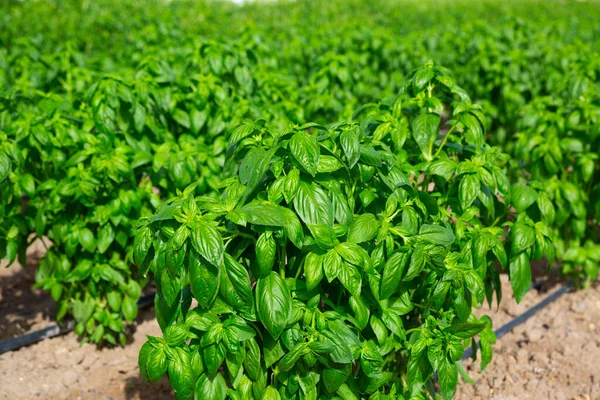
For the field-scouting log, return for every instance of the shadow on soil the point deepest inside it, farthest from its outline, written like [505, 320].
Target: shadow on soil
[136, 388]
[22, 307]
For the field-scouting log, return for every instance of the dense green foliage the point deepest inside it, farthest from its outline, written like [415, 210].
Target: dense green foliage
[109, 108]
[354, 250]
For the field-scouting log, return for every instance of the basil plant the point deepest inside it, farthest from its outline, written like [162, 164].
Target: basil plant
[339, 262]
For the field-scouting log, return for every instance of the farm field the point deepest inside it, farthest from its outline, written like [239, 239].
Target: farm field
[551, 356]
[323, 200]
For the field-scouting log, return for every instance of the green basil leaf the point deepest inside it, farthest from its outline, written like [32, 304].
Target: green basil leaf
[522, 197]
[332, 265]
[289, 360]
[308, 383]
[204, 279]
[273, 350]
[442, 167]
[341, 352]
[465, 330]
[448, 378]
[129, 308]
[418, 260]
[350, 277]
[351, 146]
[305, 149]
[324, 235]
[252, 359]
[180, 373]
[254, 166]
[328, 164]
[273, 303]
[156, 364]
[522, 237]
[274, 215]
[213, 356]
[143, 360]
[363, 228]
[141, 245]
[87, 240]
[333, 378]
[270, 393]
[487, 339]
[240, 281]
[266, 250]
[198, 120]
[211, 389]
[436, 234]
[360, 310]
[290, 185]
[176, 335]
[346, 393]
[392, 274]
[370, 156]
[354, 254]
[106, 235]
[520, 275]
[313, 205]
[371, 360]
[415, 374]
[474, 132]
[313, 270]
[546, 208]
[5, 166]
[425, 130]
[468, 190]
[208, 243]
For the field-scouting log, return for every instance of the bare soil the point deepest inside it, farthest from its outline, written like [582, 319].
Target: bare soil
[22, 308]
[554, 355]
[62, 367]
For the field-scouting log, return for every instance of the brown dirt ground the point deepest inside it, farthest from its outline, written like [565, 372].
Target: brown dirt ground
[554, 355]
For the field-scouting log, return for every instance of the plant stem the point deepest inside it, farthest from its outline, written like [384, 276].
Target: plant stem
[282, 261]
[444, 141]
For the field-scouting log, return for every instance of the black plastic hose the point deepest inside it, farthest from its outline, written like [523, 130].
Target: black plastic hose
[55, 330]
[509, 326]
[147, 300]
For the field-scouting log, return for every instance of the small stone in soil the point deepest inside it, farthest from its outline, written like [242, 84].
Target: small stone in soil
[535, 334]
[578, 307]
[541, 358]
[522, 356]
[69, 378]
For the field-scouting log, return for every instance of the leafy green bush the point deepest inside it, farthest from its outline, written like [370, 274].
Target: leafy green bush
[157, 95]
[339, 261]
[558, 145]
[89, 163]
[83, 194]
[14, 185]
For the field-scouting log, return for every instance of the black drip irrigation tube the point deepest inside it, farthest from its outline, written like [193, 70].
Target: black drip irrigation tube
[521, 319]
[55, 330]
[147, 300]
